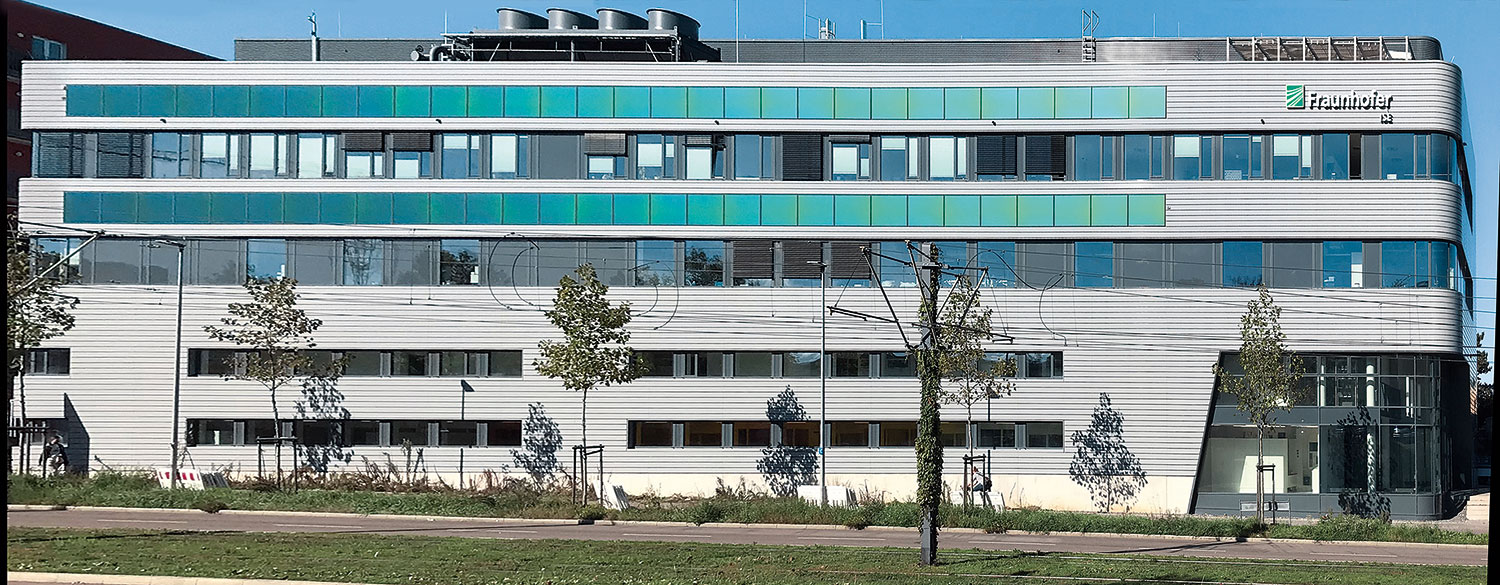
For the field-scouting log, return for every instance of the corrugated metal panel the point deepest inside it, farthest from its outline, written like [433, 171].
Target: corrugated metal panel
[802, 157]
[849, 260]
[605, 144]
[995, 154]
[754, 258]
[364, 141]
[1046, 154]
[801, 259]
[411, 141]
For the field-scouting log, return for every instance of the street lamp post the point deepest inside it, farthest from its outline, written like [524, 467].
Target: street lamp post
[177, 366]
[822, 382]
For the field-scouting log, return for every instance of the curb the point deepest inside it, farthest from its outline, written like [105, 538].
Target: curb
[572, 522]
[91, 579]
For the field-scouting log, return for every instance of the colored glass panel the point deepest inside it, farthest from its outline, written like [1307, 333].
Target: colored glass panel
[888, 103]
[521, 208]
[81, 207]
[924, 210]
[337, 208]
[123, 208]
[814, 103]
[1111, 102]
[191, 208]
[778, 103]
[483, 208]
[961, 103]
[1034, 210]
[448, 101]
[413, 101]
[372, 208]
[122, 100]
[88, 100]
[1071, 210]
[377, 101]
[268, 101]
[1148, 102]
[668, 209]
[1034, 103]
[418, 208]
[814, 210]
[227, 207]
[632, 209]
[231, 101]
[778, 210]
[705, 102]
[559, 101]
[596, 209]
[742, 210]
[742, 102]
[1148, 210]
[924, 103]
[596, 102]
[705, 209]
[997, 103]
[632, 102]
[669, 102]
[522, 101]
[338, 101]
[997, 210]
[888, 210]
[851, 103]
[851, 210]
[1110, 210]
[301, 207]
[304, 101]
[486, 102]
[961, 210]
[558, 209]
[264, 208]
[1073, 103]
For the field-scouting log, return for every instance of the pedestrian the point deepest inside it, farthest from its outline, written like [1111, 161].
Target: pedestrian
[982, 486]
[54, 456]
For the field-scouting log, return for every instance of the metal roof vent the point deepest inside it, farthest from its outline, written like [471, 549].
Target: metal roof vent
[661, 19]
[612, 19]
[512, 19]
[564, 19]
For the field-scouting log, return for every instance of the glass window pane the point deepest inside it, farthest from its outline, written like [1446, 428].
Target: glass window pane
[1236, 157]
[1335, 156]
[800, 364]
[460, 159]
[1293, 265]
[941, 160]
[657, 260]
[1086, 157]
[992, 435]
[752, 364]
[1398, 264]
[748, 157]
[1185, 154]
[363, 262]
[999, 261]
[1094, 264]
[505, 364]
[1343, 264]
[362, 363]
[1137, 156]
[361, 432]
[898, 364]
[752, 434]
[850, 364]
[849, 434]
[409, 431]
[265, 259]
[215, 156]
[651, 434]
[1286, 156]
[1044, 435]
[459, 262]
[702, 434]
[898, 434]
[703, 263]
[800, 434]
[408, 363]
[894, 157]
[1242, 264]
[1397, 159]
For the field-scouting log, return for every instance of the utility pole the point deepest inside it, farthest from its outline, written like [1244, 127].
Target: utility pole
[822, 382]
[177, 367]
[929, 445]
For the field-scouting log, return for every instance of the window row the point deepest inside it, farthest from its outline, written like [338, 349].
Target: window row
[356, 433]
[764, 263]
[984, 435]
[1403, 388]
[791, 157]
[567, 101]
[841, 364]
[48, 361]
[384, 363]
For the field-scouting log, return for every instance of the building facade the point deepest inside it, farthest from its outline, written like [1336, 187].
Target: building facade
[1122, 210]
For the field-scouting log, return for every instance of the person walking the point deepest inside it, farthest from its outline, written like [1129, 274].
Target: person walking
[54, 456]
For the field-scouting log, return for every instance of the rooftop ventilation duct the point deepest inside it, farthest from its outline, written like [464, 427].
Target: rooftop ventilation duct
[564, 19]
[512, 19]
[612, 19]
[661, 19]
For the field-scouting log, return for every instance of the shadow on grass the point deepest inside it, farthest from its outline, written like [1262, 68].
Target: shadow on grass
[1174, 547]
[149, 534]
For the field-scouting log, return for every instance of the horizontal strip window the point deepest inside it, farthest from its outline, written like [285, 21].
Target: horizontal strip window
[375, 363]
[48, 361]
[804, 434]
[764, 103]
[530, 209]
[843, 364]
[762, 263]
[324, 433]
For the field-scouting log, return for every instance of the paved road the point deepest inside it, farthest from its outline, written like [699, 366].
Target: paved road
[194, 520]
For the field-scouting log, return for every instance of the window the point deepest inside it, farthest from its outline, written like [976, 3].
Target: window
[408, 363]
[704, 158]
[606, 167]
[703, 263]
[459, 262]
[260, 430]
[655, 156]
[1094, 264]
[318, 432]
[1047, 435]
[894, 273]
[849, 364]
[49, 251]
[48, 49]
[951, 254]
[752, 364]
[851, 161]
[459, 363]
[220, 156]
[702, 434]
[59, 154]
[899, 158]
[849, 434]
[509, 158]
[657, 261]
[1089, 157]
[363, 262]
[270, 155]
[948, 158]
[658, 364]
[999, 261]
[212, 362]
[1189, 157]
[954, 434]
[414, 432]
[1291, 156]
[1343, 264]
[364, 164]
[751, 434]
[1142, 264]
[502, 433]
[1242, 264]
[171, 155]
[994, 435]
[898, 364]
[1042, 365]
[1293, 265]
[1441, 154]
[1242, 154]
[505, 364]
[1142, 156]
[800, 434]
[650, 434]
[265, 259]
[48, 362]
[211, 432]
[898, 434]
[412, 164]
[801, 364]
[460, 158]
[1335, 156]
[363, 363]
[754, 156]
[362, 432]
[703, 364]
[317, 156]
[1397, 156]
[121, 155]
[1193, 264]
[458, 433]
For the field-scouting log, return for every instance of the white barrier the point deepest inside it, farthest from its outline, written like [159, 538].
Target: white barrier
[616, 499]
[192, 479]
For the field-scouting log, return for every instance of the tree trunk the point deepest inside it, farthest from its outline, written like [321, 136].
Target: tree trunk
[1260, 488]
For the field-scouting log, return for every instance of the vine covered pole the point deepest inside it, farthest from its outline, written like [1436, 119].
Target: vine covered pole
[929, 446]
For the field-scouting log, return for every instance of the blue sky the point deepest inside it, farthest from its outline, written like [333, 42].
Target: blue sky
[1465, 27]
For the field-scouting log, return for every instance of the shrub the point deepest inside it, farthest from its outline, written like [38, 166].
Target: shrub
[705, 512]
[592, 513]
[211, 505]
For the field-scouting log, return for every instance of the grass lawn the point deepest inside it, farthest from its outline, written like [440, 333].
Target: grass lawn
[454, 561]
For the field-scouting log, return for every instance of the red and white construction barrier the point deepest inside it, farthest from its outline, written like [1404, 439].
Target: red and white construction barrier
[192, 479]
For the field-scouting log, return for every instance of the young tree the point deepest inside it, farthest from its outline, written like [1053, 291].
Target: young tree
[1269, 381]
[277, 337]
[593, 351]
[973, 374]
[35, 312]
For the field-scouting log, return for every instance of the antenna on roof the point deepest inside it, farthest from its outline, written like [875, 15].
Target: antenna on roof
[864, 25]
[1090, 26]
[313, 18]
